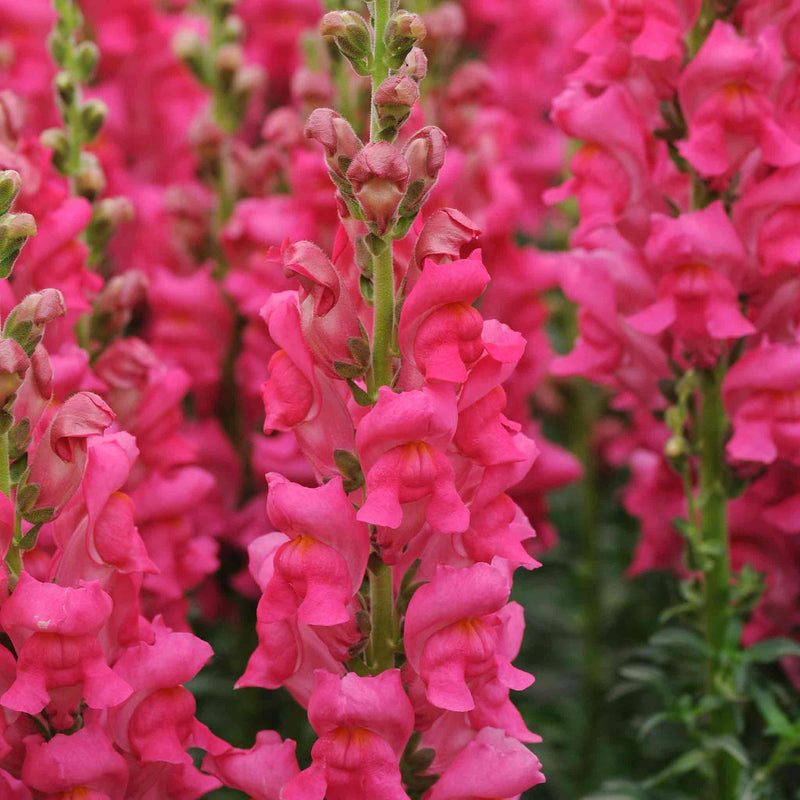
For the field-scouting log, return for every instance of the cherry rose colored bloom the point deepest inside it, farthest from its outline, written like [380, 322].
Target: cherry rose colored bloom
[58, 464]
[699, 260]
[337, 137]
[762, 395]
[298, 396]
[724, 93]
[54, 631]
[447, 235]
[327, 312]
[261, 771]
[96, 534]
[83, 765]
[612, 170]
[401, 443]
[12, 788]
[452, 631]
[157, 723]
[440, 331]
[379, 176]
[320, 568]
[363, 726]
[767, 217]
[492, 765]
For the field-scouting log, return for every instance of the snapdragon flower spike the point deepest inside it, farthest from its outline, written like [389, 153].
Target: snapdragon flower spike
[452, 631]
[61, 662]
[379, 176]
[319, 569]
[363, 726]
[401, 443]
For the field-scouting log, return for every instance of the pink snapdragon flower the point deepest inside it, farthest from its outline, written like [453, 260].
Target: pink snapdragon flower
[725, 96]
[321, 554]
[363, 725]
[762, 395]
[452, 632]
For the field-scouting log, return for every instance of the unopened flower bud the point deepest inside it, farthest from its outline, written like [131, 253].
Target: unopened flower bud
[190, 49]
[14, 364]
[676, 447]
[93, 116]
[233, 29]
[10, 184]
[113, 307]
[338, 138]
[86, 57]
[415, 65]
[379, 177]
[15, 229]
[107, 215]
[27, 320]
[394, 99]
[352, 36]
[56, 139]
[425, 153]
[65, 87]
[229, 61]
[90, 180]
[403, 31]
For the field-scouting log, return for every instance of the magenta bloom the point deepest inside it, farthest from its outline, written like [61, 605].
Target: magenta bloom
[363, 725]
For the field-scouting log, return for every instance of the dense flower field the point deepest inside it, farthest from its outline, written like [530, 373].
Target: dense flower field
[341, 339]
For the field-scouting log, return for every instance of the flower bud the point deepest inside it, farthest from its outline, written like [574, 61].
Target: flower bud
[425, 153]
[10, 184]
[311, 89]
[56, 139]
[14, 232]
[93, 116]
[403, 31]
[27, 320]
[352, 36]
[65, 87]
[189, 48]
[107, 215]
[90, 180]
[13, 366]
[379, 176]
[415, 65]
[86, 57]
[283, 128]
[394, 99]
[340, 141]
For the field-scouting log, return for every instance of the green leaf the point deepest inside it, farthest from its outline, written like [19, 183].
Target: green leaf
[771, 650]
[730, 745]
[681, 639]
[778, 723]
[682, 765]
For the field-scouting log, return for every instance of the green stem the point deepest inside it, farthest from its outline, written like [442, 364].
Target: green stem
[380, 651]
[716, 565]
[383, 320]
